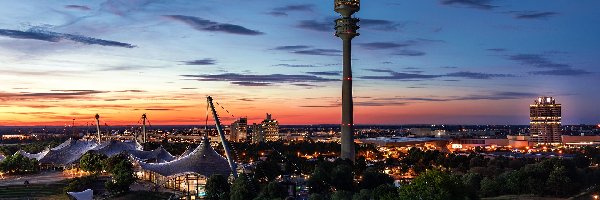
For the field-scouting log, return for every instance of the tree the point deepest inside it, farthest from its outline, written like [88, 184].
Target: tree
[217, 188]
[79, 184]
[274, 190]
[559, 182]
[319, 180]
[109, 163]
[19, 164]
[581, 161]
[513, 182]
[341, 195]
[373, 178]
[316, 196]
[385, 192]
[342, 177]
[364, 194]
[244, 187]
[434, 185]
[267, 170]
[488, 187]
[122, 174]
[92, 162]
[360, 165]
[472, 184]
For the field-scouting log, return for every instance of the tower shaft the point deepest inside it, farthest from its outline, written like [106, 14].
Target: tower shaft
[98, 127]
[144, 127]
[347, 138]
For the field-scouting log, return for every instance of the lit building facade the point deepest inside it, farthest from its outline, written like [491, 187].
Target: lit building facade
[239, 129]
[258, 135]
[545, 125]
[270, 127]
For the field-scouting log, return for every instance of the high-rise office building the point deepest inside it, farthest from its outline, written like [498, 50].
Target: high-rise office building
[239, 129]
[270, 127]
[545, 125]
[258, 134]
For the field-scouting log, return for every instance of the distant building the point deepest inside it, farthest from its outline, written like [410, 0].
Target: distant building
[545, 125]
[518, 141]
[258, 134]
[472, 143]
[421, 132]
[16, 137]
[239, 129]
[270, 127]
[571, 140]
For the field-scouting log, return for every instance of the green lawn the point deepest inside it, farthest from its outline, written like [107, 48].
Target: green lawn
[42, 191]
[54, 191]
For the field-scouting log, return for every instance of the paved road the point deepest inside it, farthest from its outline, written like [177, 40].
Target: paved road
[41, 178]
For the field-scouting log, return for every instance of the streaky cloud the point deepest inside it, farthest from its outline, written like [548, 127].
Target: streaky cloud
[550, 67]
[207, 25]
[386, 45]
[78, 7]
[206, 61]
[494, 95]
[401, 76]
[295, 65]
[478, 4]
[285, 10]
[379, 24]
[48, 36]
[477, 75]
[305, 85]
[258, 80]
[532, 14]
[407, 52]
[319, 52]
[314, 25]
[497, 49]
[308, 50]
[418, 75]
[291, 47]
[326, 73]
[537, 60]
[562, 72]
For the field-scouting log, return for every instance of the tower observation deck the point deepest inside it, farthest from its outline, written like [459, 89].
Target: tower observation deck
[346, 28]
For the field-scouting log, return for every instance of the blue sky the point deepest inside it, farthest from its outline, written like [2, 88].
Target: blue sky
[446, 61]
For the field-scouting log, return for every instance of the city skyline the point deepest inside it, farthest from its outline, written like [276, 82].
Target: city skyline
[448, 61]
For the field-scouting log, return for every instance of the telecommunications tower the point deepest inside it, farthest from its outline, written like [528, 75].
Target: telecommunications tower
[345, 29]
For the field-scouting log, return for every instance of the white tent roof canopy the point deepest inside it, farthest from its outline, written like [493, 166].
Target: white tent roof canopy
[84, 195]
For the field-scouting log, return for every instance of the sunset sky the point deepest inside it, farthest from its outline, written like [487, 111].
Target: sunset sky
[415, 62]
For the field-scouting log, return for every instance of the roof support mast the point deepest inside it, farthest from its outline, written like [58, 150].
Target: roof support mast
[232, 164]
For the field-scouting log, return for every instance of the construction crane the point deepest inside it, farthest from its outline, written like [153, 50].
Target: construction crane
[228, 154]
